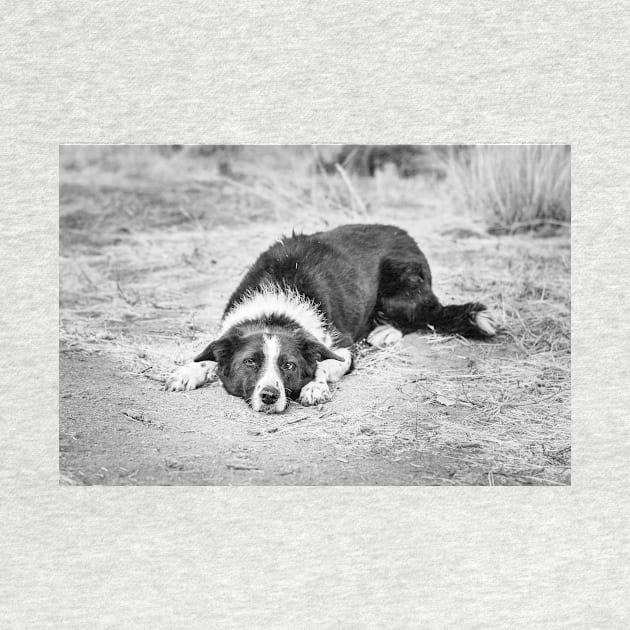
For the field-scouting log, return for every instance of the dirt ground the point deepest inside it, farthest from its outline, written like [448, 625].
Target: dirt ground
[151, 247]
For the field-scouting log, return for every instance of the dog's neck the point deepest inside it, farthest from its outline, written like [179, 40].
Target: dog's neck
[268, 302]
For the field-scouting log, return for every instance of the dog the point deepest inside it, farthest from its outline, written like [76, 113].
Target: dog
[289, 328]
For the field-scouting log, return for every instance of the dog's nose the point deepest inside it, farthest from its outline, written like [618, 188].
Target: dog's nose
[269, 395]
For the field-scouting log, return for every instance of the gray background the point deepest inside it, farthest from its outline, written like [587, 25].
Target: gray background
[314, 557]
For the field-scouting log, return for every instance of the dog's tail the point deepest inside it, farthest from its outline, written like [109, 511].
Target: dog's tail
[470, 320]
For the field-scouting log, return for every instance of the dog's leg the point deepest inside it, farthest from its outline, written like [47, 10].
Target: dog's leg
[470, 319]
[384, 335]
[407, 303]
[189, 376]
[328, 371]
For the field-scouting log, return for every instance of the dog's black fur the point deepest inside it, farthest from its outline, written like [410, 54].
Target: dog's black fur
[360, 276]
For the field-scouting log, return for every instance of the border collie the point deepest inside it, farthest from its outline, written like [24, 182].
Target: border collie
[288, 329]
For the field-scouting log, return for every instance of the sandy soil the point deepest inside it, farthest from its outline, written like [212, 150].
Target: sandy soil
[121, 430]
[146, 267]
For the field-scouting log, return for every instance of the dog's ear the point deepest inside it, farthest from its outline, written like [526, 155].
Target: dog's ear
[217, 350]
[316, 350]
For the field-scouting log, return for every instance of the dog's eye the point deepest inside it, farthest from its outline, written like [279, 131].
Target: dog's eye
[289, 366]
[249, 362]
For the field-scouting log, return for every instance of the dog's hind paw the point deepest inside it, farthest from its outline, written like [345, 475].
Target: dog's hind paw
[314, 393]
[485, 324]
[384, 335]
[188, 377]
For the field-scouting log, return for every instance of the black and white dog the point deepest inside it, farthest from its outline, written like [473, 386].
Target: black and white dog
[288, 329]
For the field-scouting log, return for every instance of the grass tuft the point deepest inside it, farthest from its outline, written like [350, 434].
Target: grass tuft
[515, 188]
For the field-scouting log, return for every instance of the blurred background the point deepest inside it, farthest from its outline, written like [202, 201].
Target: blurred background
[510, 188]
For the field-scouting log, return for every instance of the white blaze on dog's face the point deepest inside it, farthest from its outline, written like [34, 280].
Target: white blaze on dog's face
[269, 393]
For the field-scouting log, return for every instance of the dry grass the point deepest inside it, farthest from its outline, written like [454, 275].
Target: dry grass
[514, 187]
[152, 244]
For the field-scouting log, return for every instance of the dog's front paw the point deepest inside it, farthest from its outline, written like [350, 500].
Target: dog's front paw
[314, 393]
[187, 377]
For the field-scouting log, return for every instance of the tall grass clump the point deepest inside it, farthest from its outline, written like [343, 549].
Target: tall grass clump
[513, 187]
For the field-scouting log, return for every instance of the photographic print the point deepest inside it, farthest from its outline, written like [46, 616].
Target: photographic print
[315, 315]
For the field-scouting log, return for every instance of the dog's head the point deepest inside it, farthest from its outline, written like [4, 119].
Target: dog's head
[266, 368]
